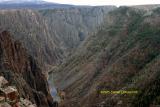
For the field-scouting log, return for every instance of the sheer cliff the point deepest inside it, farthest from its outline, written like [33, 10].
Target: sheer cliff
[122, 55]
[72, 25]
[50, 34]
[31, 29]
[21, 70]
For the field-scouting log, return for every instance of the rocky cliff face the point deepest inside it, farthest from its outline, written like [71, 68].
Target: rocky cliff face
[31, 29]
[72, 25]
[124, 55]
[22, 71]
[50, 35]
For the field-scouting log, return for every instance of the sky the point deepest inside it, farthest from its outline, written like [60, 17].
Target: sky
[106, 2]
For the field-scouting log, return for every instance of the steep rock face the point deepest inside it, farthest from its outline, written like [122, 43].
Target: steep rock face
[31, 29]
[21, 70]
[72, 25]
[50, 35]
[124, 55]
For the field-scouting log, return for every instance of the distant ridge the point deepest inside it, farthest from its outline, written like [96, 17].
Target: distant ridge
[30, 4]
[147, 7]
[22, 1]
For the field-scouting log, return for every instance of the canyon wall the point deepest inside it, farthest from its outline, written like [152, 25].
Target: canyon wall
[122, 55]
[51, 34]
[21, 70]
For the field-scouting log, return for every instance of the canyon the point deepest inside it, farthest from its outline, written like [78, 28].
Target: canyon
[122, 55]
[50, 35]
[70, 54]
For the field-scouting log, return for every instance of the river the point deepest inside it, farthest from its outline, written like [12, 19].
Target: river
[53, 90]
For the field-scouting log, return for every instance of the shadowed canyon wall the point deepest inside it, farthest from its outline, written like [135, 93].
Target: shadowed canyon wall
[22, 71]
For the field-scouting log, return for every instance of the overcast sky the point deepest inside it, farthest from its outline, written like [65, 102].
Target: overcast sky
[106, 2]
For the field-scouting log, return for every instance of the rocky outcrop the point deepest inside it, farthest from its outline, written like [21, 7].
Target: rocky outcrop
[9, 96]
[22, 71]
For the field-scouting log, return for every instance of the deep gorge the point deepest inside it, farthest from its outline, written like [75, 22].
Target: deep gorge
[82, 50]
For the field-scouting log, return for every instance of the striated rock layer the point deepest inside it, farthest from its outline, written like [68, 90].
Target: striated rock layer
[51, 34]
[21, 70]
[124, 55]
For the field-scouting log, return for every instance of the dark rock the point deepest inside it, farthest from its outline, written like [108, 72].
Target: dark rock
[21, 70]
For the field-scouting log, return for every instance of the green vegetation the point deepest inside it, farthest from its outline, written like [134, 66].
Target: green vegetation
[136, 20]
[148, 94]
[157, 11]
[118, 57]
[150, 33]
